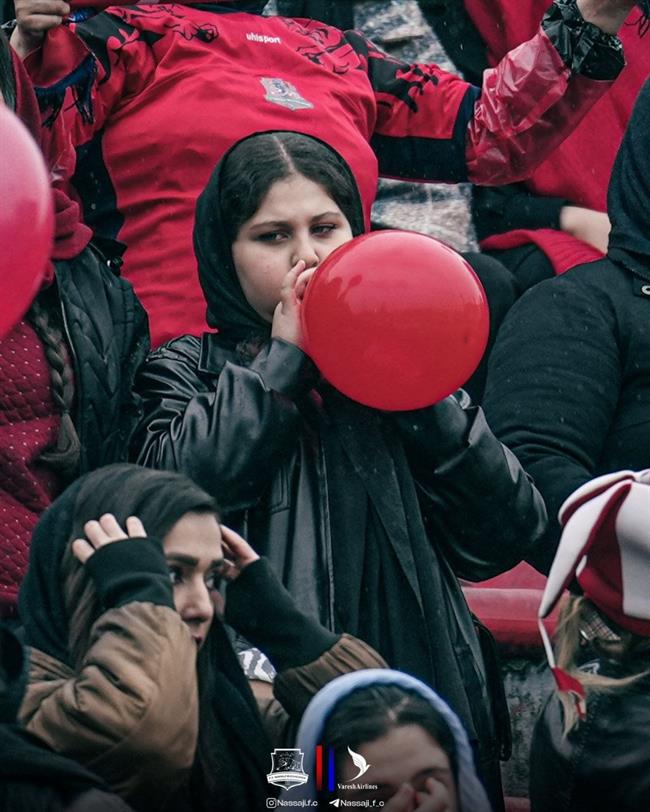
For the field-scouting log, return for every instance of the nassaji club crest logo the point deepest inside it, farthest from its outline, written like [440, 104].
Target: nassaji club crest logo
[285, 94]
[286, 770]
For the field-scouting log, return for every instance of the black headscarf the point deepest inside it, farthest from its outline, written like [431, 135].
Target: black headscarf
[41, 603]
[628, 201]
[228, 309]
[239, 743]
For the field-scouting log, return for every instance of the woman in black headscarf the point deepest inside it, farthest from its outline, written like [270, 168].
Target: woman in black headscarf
[114, 621]
[569, 380]
[368, 517]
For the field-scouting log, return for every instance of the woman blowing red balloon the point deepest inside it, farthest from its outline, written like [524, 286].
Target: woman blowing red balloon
[155, 94]
[66, 405]
[368, 517]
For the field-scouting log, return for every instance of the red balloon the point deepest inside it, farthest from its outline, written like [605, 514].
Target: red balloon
[26, 219]
[395, 320]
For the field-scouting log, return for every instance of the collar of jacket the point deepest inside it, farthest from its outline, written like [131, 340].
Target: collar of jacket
[214, 355]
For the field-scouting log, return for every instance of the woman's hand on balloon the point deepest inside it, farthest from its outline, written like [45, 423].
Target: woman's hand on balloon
[286, 318]
[104, 531]
[35, 18]
[238, 554]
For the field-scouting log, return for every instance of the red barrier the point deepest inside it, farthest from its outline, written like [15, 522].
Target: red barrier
[508, 606]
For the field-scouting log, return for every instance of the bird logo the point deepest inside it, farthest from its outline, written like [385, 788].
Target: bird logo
[360, 763]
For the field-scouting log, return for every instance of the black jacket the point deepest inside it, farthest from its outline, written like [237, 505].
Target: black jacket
[367, 517]
[107, 332]
[569, 377]
[602, 765]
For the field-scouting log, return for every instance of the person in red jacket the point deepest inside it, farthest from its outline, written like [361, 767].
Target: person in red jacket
[557, 218]
[154, 95]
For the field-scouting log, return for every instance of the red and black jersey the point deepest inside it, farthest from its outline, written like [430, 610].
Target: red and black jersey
[155, 94]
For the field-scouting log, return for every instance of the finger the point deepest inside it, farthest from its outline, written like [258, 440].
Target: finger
[40, 23]
[435, 786]
[435, 799]
[58, 8]
[232, 538]
[402, 801]
[82, 550]
[302, 282]
[95, 534]
[229, 570]
[289, 281]
[135, 528]
[219, 605]
[111, 527]
[298, 268]
[240, 550]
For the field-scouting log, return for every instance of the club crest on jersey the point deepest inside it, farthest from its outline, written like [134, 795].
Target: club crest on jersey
[285, 94]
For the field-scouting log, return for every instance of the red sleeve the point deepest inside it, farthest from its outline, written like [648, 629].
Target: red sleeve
[71, 235]
[433, 126]
[86, 70]
[422, 116]
[528, 105]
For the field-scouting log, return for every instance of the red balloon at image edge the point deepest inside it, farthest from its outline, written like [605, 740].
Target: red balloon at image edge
[395, 320]
[26, 219]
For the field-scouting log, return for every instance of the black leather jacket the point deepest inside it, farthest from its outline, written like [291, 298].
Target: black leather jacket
[407, 503]
[603, 764]
[248, 433]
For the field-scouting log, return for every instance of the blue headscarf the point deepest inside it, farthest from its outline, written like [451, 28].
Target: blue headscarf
[472, 796]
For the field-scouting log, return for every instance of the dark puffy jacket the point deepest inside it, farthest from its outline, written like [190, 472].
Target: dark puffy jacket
[107, 332]
[602, 765]
[107, 338]
[569, 377]
[336, 496]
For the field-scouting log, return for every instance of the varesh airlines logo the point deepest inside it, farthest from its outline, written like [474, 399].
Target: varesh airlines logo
[360, 763]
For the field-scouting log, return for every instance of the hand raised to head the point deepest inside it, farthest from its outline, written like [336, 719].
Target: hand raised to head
[238, 553]
[105, 530]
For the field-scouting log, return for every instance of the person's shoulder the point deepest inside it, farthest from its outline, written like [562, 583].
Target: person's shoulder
[583, 286]
[162, 18]
[184, 349]
[600, 274]
[614, 748]
[608, 289]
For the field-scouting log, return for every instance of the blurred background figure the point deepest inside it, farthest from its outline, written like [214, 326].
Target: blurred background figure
[569, 378]
[557, 218]
[591, 750]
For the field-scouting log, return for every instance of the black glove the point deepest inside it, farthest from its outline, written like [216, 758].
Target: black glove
[131, 570]
[261, 609]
